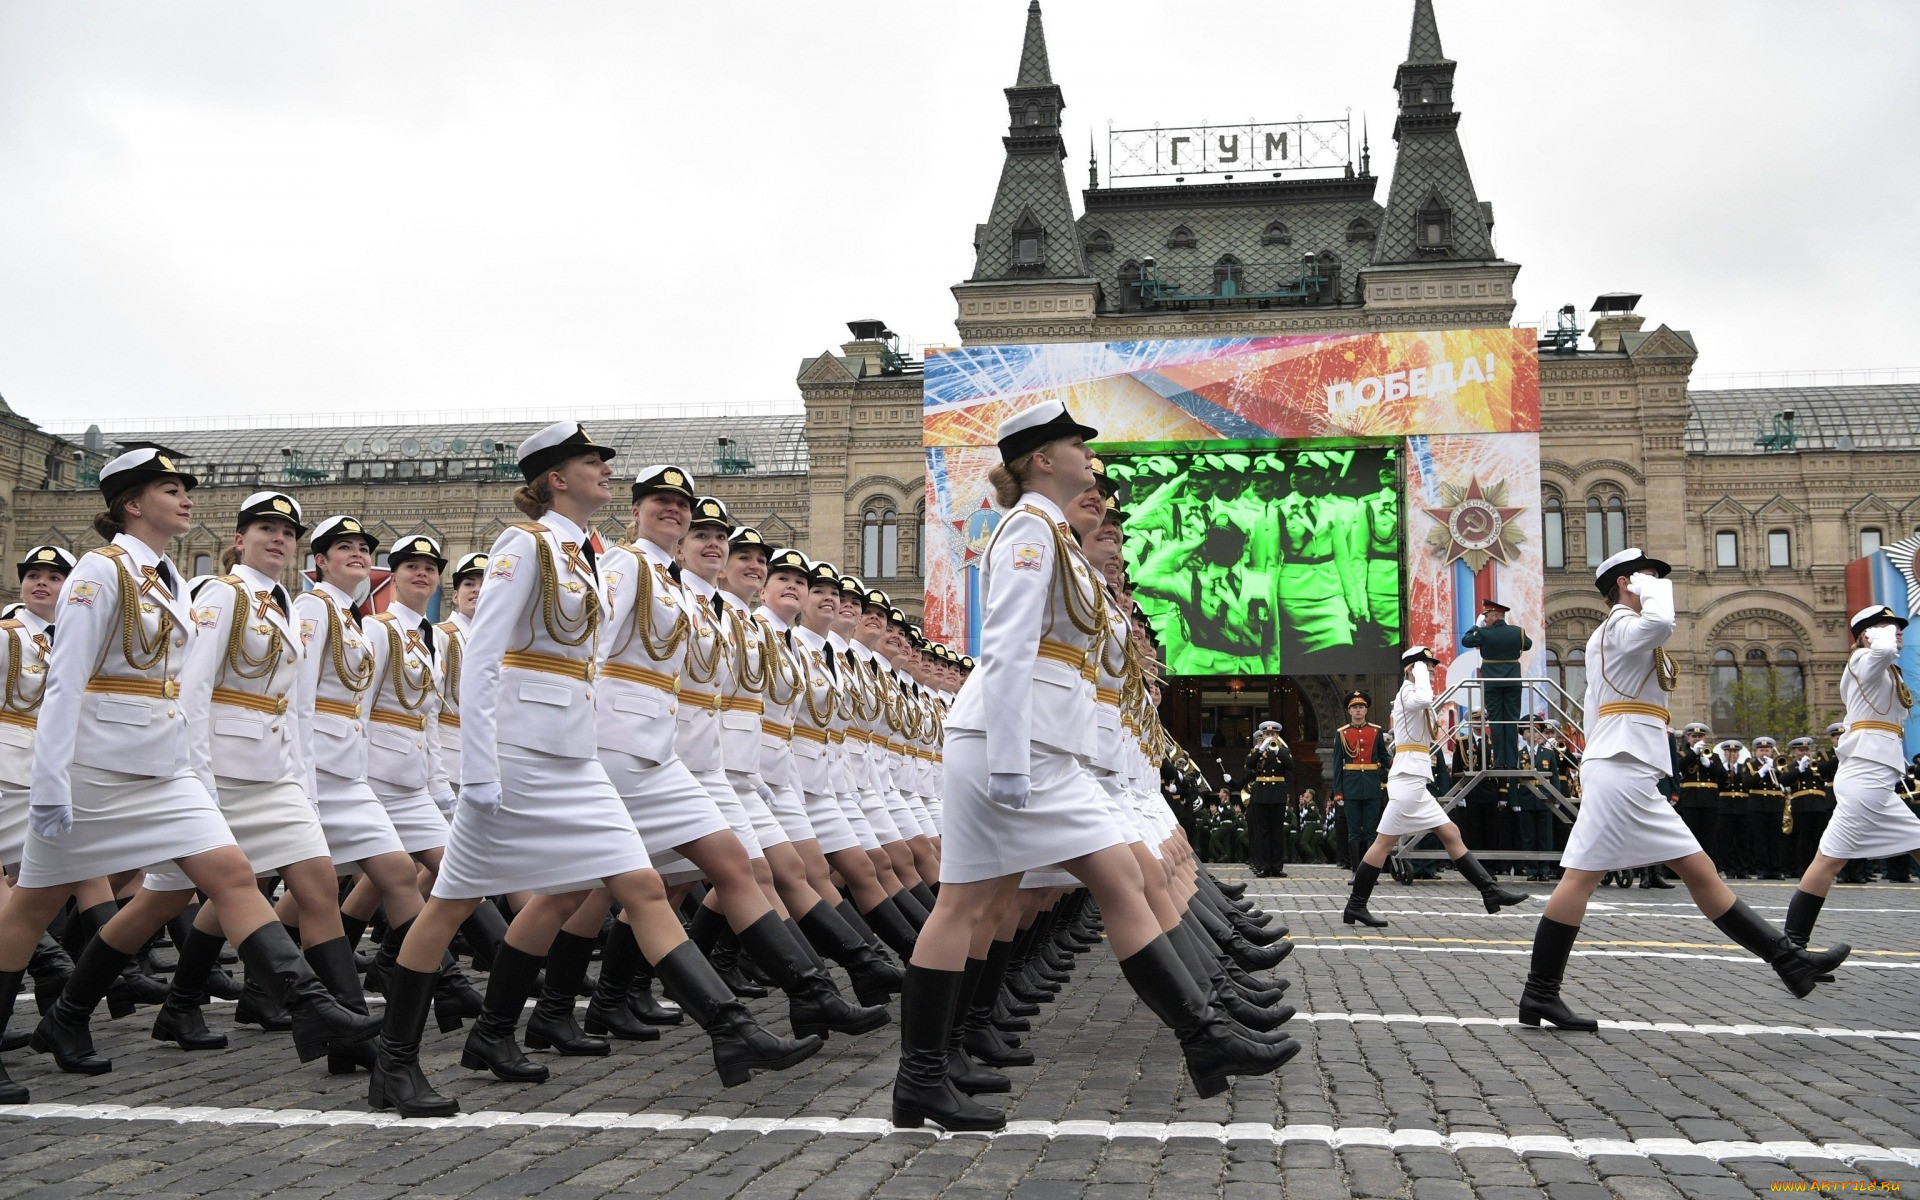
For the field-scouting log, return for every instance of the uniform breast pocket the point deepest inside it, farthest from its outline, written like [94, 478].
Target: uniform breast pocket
[328, 725]
[1059, 674]
[240, 727]
[644, 704]
[740, 721]
[398, 740]
[805, 749]
[124, 712]
[545, 693]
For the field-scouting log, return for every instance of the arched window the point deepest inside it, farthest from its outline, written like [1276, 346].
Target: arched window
[1870, 540]
[1606, 527]
[1033, 112]
[1275, 234]
[1099, 242]
[1028, 239]
[879, 541]
[1553, 525]
[1227, 276]
[1181, 239]
[1574, 673]
[1359, 230]
[1723, 682]
[1129, 278]
[1326, 268]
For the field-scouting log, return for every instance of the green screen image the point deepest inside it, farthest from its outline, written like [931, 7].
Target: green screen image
[1263, 561]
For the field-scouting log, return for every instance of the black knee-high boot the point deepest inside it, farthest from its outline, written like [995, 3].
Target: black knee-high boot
[1248, 955]
[875, 980]
[1552, 944]
[924, 895]
[1214, 1052]
[740, 1047]
[64, 1031]
[387, 956]
[1209, 974]
[968, 1076]
[922, 1089]
[1364, 877]
[607, 1012]
[49, 968]
[1803, 912]
[490, 1043]
[642, 1003]
[320, 1023]
[552, 1024]
[397, 1081]
[1492, 895]
[10, 1092]
[851, 915]
[1799, 969]
[333, 962]
[892, 927]
[910, 906]
[716, 940]
[484, 931]
[813, 1006]
[132, 987]
[980, 1038]
[180, 1019]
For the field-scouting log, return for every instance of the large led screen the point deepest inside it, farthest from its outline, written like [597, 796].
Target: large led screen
[1262, 561]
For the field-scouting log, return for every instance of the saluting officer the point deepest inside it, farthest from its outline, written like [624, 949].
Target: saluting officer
[1500, 645]
[1625, 820]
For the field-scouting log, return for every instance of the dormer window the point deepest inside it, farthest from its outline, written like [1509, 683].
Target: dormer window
[1033, 112]
[1181, 239]
[1099, 242]
[1359, 230]
[1436, 223]
[1275, 234]
[1029, 243]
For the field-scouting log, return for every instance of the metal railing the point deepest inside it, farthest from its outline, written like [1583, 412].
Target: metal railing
[1540, 698]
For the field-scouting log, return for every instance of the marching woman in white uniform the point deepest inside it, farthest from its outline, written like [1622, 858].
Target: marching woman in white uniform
[1870, 820]
[537, 811]
[1411, 808]
[1020, 797]
[1625, 821]
[114, 786]
[241, 676]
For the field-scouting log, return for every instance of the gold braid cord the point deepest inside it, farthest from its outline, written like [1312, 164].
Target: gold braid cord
[778, 666]
[16, 697]
[409, 695]
[455, 653]
[149, 653]
[641, 621]
[1901, 691]
[240, 664]
[821, 717]
[564, 630]
[705, 667]
[358, 679]
[749, 679]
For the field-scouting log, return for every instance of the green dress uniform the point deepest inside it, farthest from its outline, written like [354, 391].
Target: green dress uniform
[1361, 760]
[1534, 811]
[1500, 649]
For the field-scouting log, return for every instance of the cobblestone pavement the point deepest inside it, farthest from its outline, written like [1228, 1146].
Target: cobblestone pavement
[1709, 1080]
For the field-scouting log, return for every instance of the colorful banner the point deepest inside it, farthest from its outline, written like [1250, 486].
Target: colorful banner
[1891, 576]
[1291, 388]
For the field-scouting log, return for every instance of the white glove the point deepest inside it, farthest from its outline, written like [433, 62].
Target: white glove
[1009, 791]
[1480, 622]
[442, 796]
[483, 796]
[765, 792]
[50, 821]
[1422, 676]
[1882, 637]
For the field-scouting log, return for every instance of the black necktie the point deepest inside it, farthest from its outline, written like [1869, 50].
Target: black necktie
[358, 615]
[165, 571]
[719, 607]
[593, 560]
[48, 632]
[426, 637]
[280, 600]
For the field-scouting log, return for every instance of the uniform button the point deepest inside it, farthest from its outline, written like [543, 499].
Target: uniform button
[173, 712]
[356, 727]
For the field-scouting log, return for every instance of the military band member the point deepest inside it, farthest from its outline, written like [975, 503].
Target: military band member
[1501, 646]
[1361, 759]
[1809, 789]
[1768, 807]
[1870, 817]
[538, 812]
[1625, 821]
[1268, 767]
[1411, 809]
[114, 786]
[1701, 776]
[1730, 852]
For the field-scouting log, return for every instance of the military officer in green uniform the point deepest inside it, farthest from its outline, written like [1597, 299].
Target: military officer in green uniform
[1532, 808]
[1500, 645]
[1361, 760]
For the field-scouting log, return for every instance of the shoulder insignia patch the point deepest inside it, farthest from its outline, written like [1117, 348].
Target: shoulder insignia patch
[1028, 556]
[84, 593]
[206, 617]
[308, 627]
[502, 566]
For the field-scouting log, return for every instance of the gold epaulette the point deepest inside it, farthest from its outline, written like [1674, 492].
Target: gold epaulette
[448, 628]
[13, 623]
[531, 527]
[112, 551]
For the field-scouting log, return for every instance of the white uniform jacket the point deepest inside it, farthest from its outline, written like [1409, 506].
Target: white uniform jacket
[786, 672]
[452, 644]
[113, 692]
[1030, 684]
[403, 727]
[703, 677]
[25, 646]
[743, 698]
[336, 669]
[242, 679]
[1877, 703]
[815, 713]
[1112, 655]
[1626, 706]
[1413, 730]
[528, 678]
[645, 644]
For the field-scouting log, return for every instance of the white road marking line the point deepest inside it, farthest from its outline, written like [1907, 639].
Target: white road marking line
[1239, 1131]
[1384, 948]
[1625, 1026]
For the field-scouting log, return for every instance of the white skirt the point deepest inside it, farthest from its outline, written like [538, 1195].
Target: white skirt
[273, 822]
[830, 825]
[416, 818]
[356, 824]
[731, 810]
[878, 815]
[1411, 808]
[766, 827]
[1869, 819]
[902, 814]
[125, 822]
[1066, 816]
[667, 805]
[560, 828]
[1624, 819]
[1114, 789]
[14, 802]
[790, 809]
[856, 818]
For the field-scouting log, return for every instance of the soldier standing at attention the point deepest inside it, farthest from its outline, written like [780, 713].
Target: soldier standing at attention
[1812, 804]
[1361, 759]
[1530, 804]
[1268, 768]
[1500, 646]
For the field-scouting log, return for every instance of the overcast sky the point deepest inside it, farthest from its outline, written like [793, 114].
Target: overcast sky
[334, 207]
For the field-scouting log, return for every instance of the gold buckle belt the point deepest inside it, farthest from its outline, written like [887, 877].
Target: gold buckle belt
[1360, 766]
[641, 675]
[23, 720]
[548, 664]
[744, 704]
[706, 700]
[808, 733]
[121, 685]
[338, 708]
[1876, 726]
[1820, 792]
[450, 719]
[859, 735]
[1634, 708]
[1412, 748]
[386, 716]
[837, 736]
[777, 728]
[273, 706]
[1060, 652]
[1107, 696]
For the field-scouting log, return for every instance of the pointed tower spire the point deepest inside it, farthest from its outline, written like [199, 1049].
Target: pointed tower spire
[1030, 233]
[1433, 214]
[1034, 69]
[1093, 163]
[1366, 148]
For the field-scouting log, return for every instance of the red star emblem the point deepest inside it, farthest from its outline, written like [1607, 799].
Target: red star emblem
[1475, 524]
